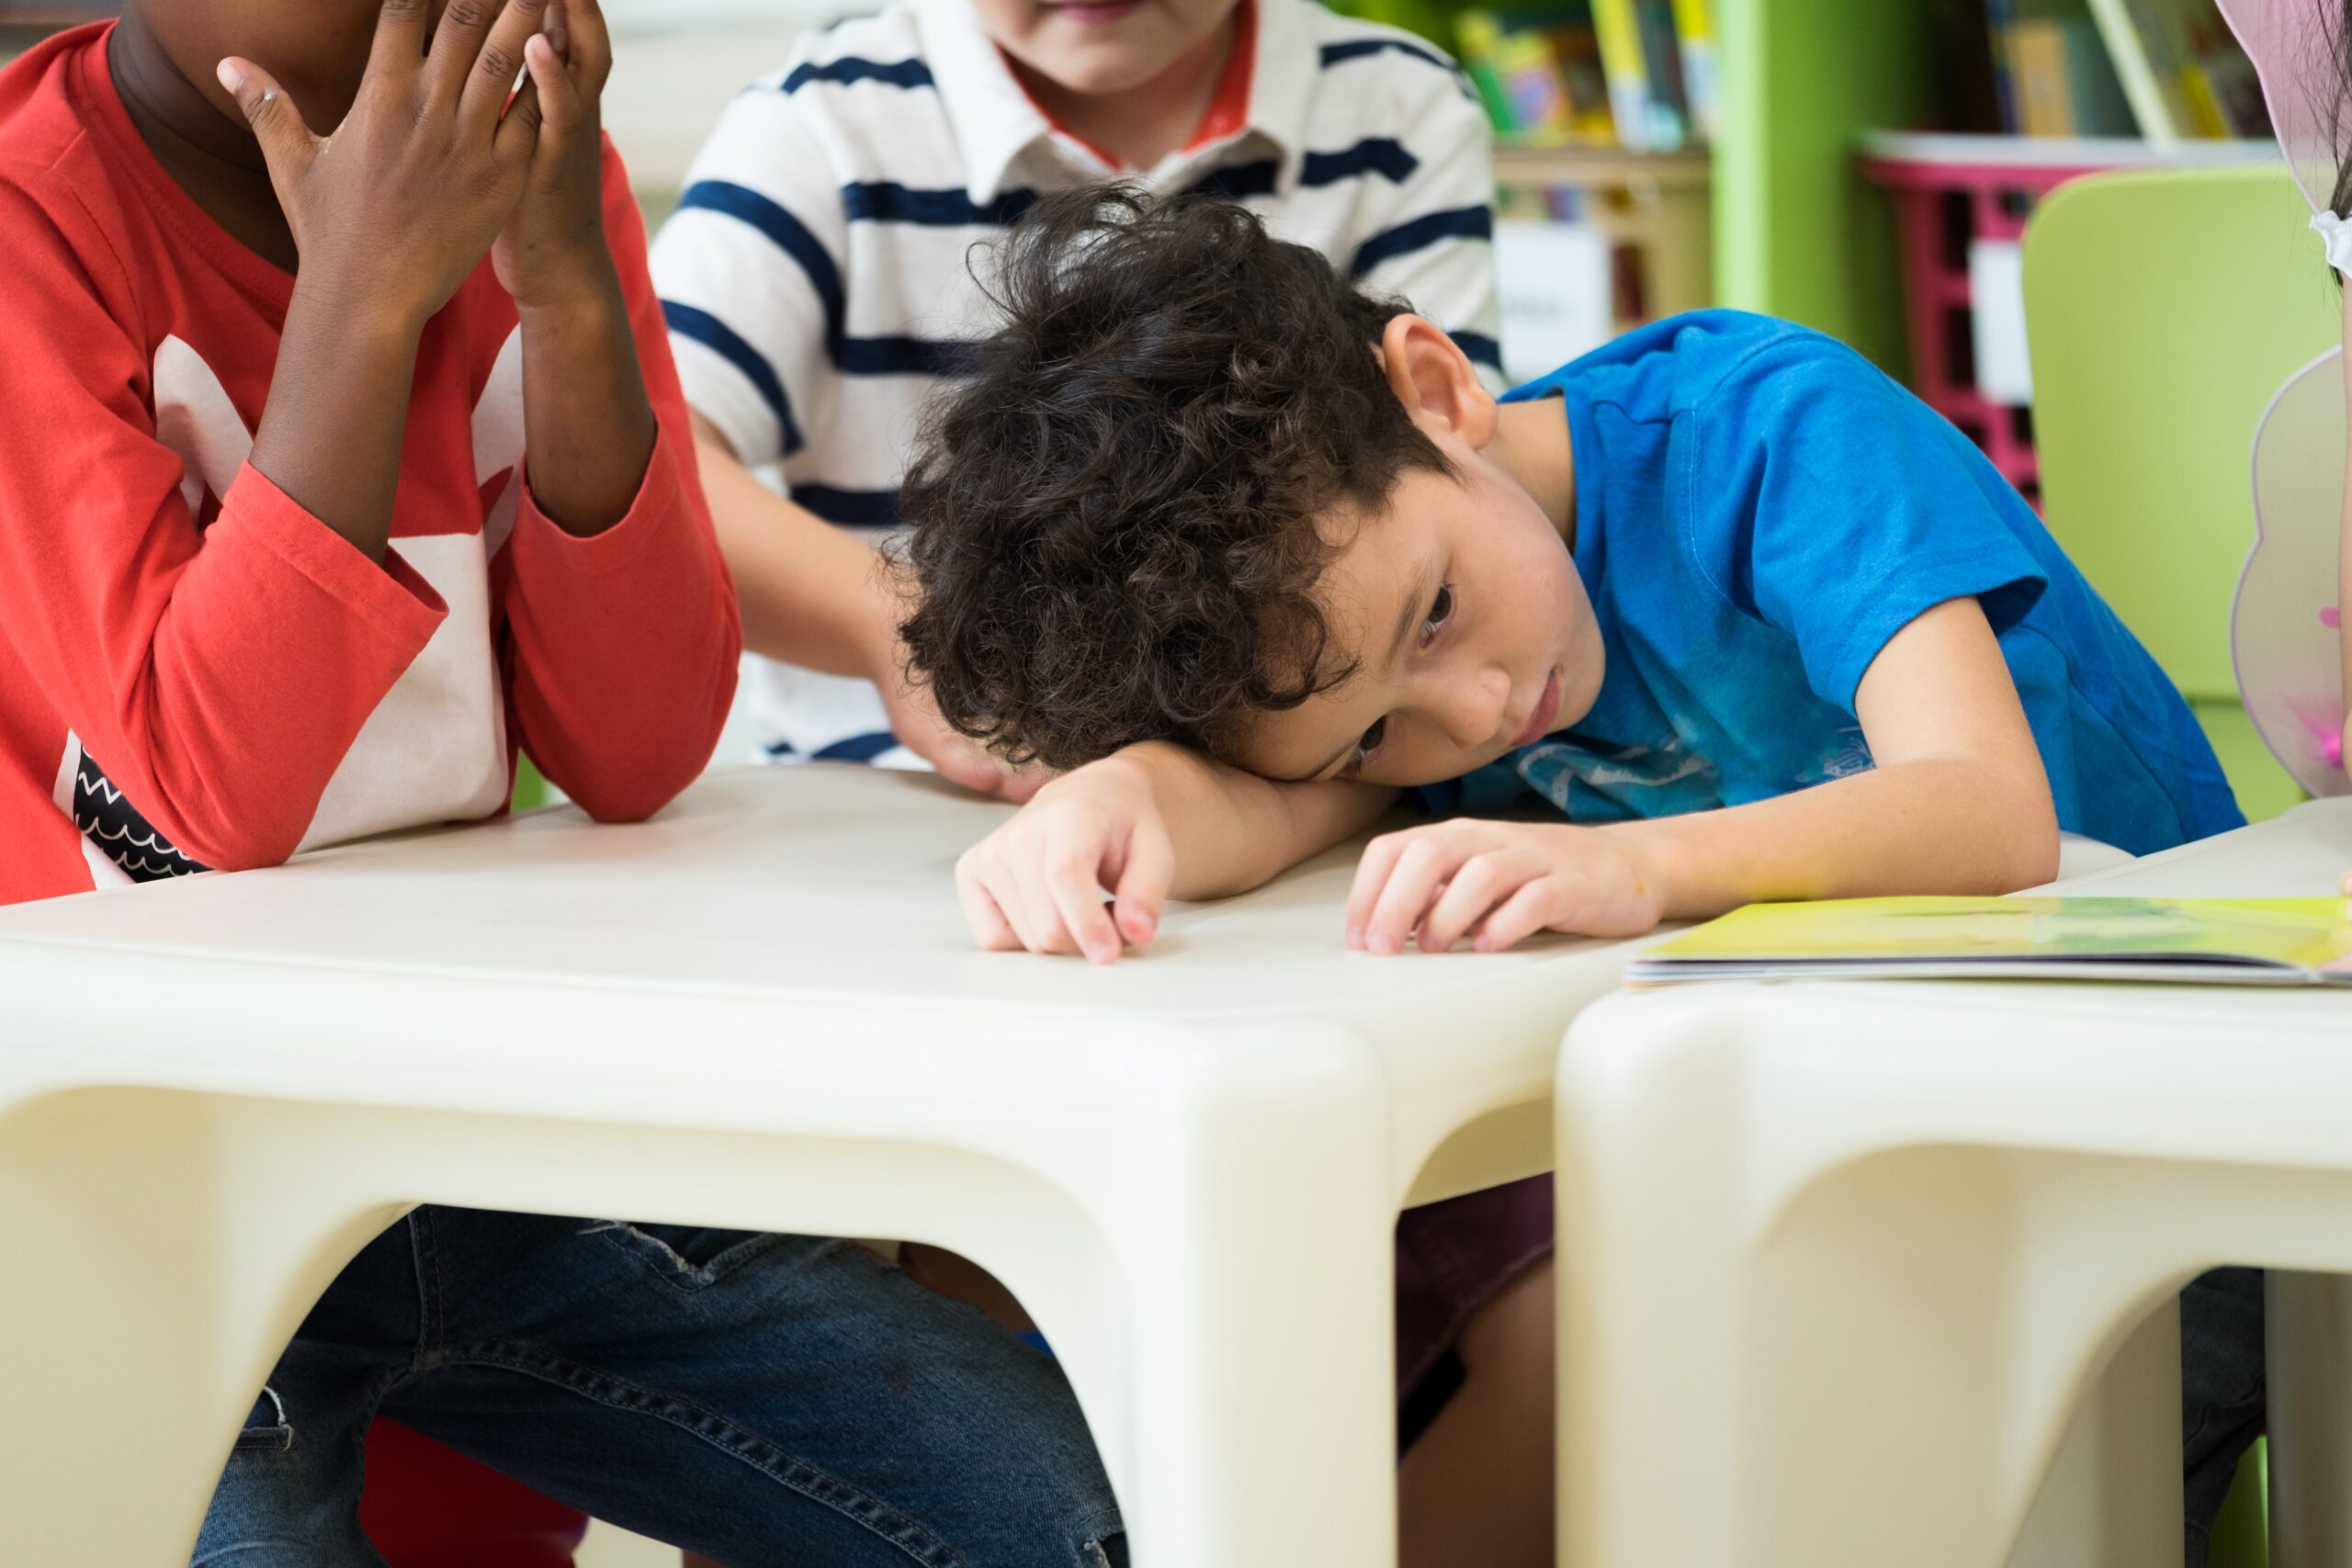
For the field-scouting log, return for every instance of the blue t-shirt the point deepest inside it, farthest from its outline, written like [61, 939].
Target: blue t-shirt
[1758, 510]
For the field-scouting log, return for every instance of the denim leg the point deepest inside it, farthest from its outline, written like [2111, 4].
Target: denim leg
[765, 1400]
[2221, 1391]
[289, 1494]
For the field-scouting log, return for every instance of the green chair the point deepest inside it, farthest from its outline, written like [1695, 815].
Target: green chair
[2162, 310]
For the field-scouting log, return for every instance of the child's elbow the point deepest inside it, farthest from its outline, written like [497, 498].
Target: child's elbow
[2026, 837]
[631, 793]
[630, 799]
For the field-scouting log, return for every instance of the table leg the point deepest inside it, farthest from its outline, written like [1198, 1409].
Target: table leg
[153, 1274]
[2112, 1498]
[166, 1245]
[1799, 1355]
[1257, 1238]
[2308, 1333]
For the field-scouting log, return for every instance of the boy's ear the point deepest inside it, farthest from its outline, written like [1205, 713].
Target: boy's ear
[1435, 381]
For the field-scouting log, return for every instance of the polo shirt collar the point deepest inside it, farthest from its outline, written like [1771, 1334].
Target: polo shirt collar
[996, 122]
[1282, 84]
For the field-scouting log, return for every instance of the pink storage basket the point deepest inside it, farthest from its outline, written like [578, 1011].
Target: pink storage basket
[1949, 191]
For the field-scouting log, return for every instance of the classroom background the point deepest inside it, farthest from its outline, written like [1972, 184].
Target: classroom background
[1865, 167]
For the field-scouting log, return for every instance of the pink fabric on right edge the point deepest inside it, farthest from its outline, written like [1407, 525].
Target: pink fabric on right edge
[2298, 49]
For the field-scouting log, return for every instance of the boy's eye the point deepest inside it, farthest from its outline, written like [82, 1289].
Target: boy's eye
[1370, 741]
[1440, 612]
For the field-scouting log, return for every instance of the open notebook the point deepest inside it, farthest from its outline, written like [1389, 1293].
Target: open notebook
[2239, 941]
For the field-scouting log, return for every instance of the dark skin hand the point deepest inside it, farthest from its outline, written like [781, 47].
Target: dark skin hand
[427, 169]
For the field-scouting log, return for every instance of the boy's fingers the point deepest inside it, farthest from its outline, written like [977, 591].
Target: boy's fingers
[1523, 914]
[990, 930]
[1486, 881]
[1074, 882]
[1371, 874]
[518, 137]
[499, 62]
[1028, 902]
[559, 98]
[585, 42]
[984, 912]
[456, 45]
[1410, 888]
[285, 142]
[1143, 887]
[398, 49]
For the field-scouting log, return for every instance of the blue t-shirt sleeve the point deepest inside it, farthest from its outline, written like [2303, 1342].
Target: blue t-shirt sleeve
[1832, 505]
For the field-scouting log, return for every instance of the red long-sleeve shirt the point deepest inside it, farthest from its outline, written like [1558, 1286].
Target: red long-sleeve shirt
[194, 671]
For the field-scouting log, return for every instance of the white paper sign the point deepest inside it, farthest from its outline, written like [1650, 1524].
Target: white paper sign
[1997, 311]
[1553, 279]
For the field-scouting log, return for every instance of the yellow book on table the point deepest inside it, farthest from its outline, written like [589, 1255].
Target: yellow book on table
[2238, 942]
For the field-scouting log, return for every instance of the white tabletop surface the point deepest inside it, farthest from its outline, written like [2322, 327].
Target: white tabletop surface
[774, 930]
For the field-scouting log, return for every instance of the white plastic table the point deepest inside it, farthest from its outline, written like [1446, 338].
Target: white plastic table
[760, 1009]
[1837, 1261]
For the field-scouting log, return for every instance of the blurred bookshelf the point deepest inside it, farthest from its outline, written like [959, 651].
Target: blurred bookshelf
[1749, 188]
[1800, 204]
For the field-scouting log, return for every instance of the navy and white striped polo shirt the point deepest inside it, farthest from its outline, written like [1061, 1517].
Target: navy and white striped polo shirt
[815, 276]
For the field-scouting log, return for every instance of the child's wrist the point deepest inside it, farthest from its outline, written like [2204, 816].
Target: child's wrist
[363, 324]
[357, 313]
[1658, 856]
[579, 289]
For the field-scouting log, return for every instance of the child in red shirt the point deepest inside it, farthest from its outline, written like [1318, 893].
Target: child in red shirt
[274, 570]
[337, 469]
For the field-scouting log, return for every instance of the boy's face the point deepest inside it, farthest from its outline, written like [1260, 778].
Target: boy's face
[1100, 46]
[1469, 626]
[316, 48]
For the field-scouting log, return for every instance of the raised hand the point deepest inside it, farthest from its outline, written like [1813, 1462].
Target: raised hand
[394, 211]
[552, 250]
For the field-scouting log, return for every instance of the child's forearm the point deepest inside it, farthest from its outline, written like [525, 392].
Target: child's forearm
[1232, 832]
[1953, 825]
[330, 433]
[588, 425]
[811, 595]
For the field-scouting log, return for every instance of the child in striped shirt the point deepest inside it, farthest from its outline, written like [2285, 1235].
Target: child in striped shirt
[815, 281]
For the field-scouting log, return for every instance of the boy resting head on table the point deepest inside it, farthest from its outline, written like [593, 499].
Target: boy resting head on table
[1250, 552]
[346, 453]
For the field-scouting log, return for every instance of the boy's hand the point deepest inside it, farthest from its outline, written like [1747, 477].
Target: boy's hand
[1038, 881]
[552, 250]
[1497, 883]
[395, 211]
[915, 720]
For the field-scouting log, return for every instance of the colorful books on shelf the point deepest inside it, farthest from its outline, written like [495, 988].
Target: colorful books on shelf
[1633, 73]
[2061, 81]
[2239, 941]
[2165, 70]
[2053, 73]
[2181, 69]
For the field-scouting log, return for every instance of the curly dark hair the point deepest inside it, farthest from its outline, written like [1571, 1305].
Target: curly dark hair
[1114, 516]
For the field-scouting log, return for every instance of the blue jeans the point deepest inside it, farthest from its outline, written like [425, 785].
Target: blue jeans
[2224, 1391]
[765, 1400]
